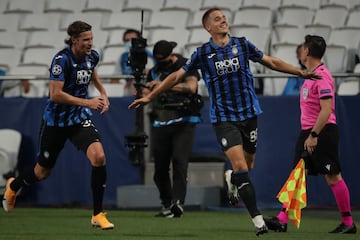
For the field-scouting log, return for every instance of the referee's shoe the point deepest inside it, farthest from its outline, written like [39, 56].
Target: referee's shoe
[342, 228]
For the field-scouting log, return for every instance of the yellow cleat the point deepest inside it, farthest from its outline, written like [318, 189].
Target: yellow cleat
[9, 198]
[101, 221]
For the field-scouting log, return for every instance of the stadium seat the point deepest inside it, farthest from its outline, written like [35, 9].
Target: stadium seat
[336, 58]
[9, 22]
[349, 4]
[348, 37]
[249, 17]
[195, 19]
[311, 4]
[138, 5]
[165, 19]
[10, 141]
[40, 22]
[95, 19]
[112, 89]
[356, 6]
[105, 69]
[25, 6]
[258, 36]
[228, 5]
[38, 56]
[3, 5]
[273, 4]
[46, 39]
[198, 36]
[353, 19]
[104, 6]
[13, 39]
[111, 55]
[38, 87]
[181, 37]
[100, 39]
[10, 57]
[115, 38]
[124, 20]
[64, 6]
[286, 52]
[292, 35]
[320, 30]
[188, 5]
[297, 16]
[349, 87]
[325, 16]
[189, 49]
[29, 69]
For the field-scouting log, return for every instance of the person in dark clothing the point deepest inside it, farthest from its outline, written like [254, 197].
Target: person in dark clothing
[174, 117]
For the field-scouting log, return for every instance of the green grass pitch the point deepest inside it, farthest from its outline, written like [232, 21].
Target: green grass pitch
[74, 224]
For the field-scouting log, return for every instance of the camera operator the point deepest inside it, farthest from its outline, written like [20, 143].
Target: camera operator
[174, 117]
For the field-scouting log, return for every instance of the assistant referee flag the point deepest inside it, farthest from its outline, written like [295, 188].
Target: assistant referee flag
[293, 193]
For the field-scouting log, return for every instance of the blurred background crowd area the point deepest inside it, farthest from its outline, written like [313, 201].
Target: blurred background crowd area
[32, 31]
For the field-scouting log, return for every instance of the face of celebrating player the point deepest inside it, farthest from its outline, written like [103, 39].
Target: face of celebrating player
[217, 23]
[82, 44]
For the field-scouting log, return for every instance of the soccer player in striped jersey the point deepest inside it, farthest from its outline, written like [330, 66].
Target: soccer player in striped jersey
[234, 106]
[67, 115]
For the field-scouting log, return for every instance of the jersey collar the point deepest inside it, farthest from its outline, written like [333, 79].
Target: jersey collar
[217, 46]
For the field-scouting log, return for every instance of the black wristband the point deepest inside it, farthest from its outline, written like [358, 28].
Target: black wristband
[314, 134]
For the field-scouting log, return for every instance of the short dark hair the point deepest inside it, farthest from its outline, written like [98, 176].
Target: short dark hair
[130, 30]
[205, 16]
[75, 29]
[316, 45]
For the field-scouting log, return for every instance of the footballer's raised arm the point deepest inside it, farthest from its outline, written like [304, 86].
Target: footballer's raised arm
[166, 84]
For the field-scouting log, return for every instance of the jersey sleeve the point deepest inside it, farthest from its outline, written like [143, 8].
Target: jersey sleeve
[255, 54]
[95, 56]
[324, 87]
[58, 67]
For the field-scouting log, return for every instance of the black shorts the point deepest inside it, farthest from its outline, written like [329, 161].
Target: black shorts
[52, 140]
[244, 133]
[325, 158]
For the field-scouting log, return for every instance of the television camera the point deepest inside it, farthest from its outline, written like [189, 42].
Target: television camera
[136, 142]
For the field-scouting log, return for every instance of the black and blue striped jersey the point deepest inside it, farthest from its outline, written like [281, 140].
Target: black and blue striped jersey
[228, 77]
[76, 75]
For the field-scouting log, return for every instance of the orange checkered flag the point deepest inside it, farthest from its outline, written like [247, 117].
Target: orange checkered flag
[293, 193]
